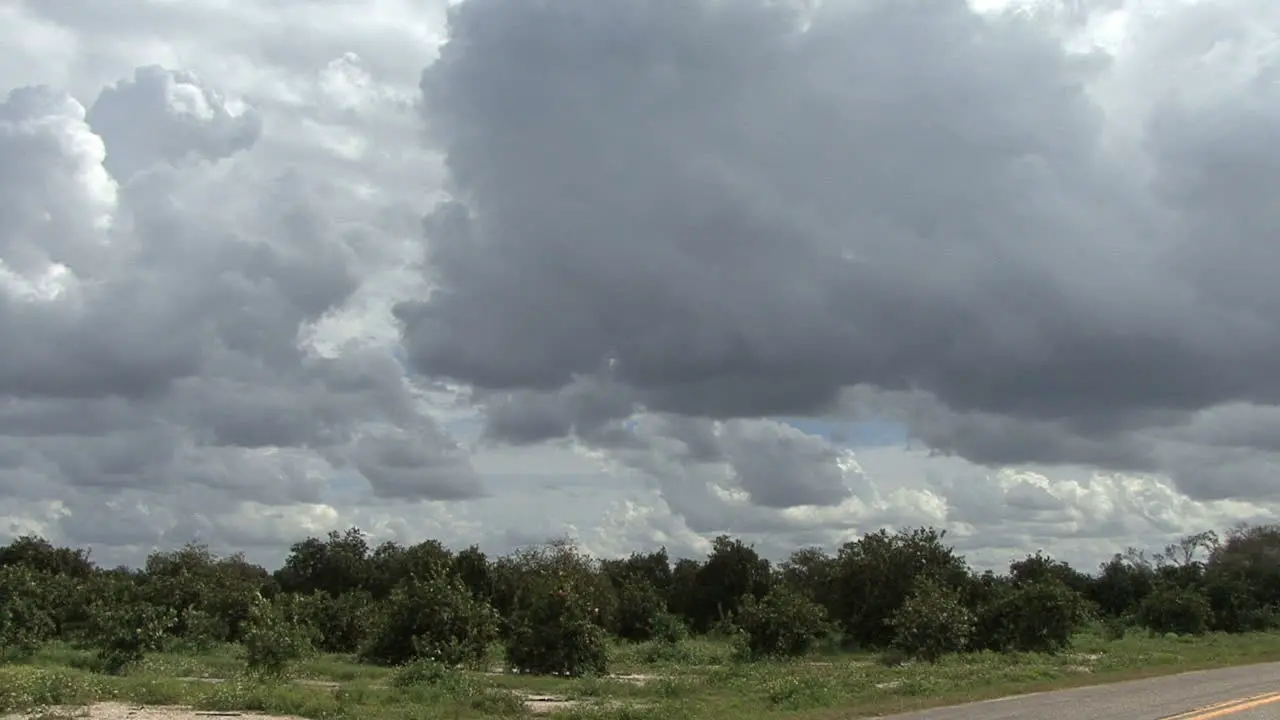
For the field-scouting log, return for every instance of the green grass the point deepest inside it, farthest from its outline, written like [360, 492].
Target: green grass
[696, 680]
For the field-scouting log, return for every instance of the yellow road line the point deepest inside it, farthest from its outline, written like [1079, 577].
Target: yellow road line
[1227, 707]
[1189, 714]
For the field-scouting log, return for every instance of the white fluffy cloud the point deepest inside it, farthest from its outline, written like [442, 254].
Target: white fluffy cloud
[268, 270]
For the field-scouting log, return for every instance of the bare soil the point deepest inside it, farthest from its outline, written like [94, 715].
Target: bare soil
[125, 711]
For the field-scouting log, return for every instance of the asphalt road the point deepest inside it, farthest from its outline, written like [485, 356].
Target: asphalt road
[1241, 693]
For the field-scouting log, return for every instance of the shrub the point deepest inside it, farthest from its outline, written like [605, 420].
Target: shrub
[784, 623]
[422, 672]
[555, 626]
[554, 636]
[1171, 609]
[341, 623]
[1114, 628]
[1032, 617]
[639, 609]
[435, 618]
[273, 638]
[932, 621]
[25, 618]
[668, 629]
[124, 629]
[203, 630]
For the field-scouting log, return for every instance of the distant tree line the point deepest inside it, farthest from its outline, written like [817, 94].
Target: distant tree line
[555, 610]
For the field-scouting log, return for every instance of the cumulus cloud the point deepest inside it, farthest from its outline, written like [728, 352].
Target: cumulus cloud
[166, 115]
[747, 209]
[169, 282]
[269, 277]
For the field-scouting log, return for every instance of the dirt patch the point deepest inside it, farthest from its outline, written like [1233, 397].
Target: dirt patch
[635, 678]
[888, 685]
[547, 704]
[308, 682]
[124, 711]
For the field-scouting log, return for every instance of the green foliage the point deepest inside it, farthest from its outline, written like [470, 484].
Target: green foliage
[434, 618]
[1034, 616]
[554, 609]
[273, 638]
[1242, 579]
[813, 572]
[554, 626]
[932, 622]
[336, 565]
[1120, 586]
[212, 593]
[25, 618]
[669, 628]
[1114, 628]
[341, 623]
[202, 630]
[784, 623]
[1171, 609]
[422, 672]
[124, 628]
[640, 608]
[875, 575]
[732, 572]
[38, 554]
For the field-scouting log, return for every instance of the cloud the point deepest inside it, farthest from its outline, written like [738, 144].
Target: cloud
[165, 115]
[1034, 240]
[171, 281]
[747, 209]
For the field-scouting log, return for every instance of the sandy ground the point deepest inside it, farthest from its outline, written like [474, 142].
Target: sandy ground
[124, 711]
[537, 705]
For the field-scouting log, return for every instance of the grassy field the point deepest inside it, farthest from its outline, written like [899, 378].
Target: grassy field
[695, 680]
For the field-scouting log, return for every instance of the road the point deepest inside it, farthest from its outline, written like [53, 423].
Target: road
[1241, 693]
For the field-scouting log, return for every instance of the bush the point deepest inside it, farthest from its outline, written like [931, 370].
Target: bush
[1170, 609]
[639, 609]
[932, 622]
[341, 623]
[555, 637]
[25, 618]
[273, 638]
[554, 626]
[422, 672]
[1032, 617]
[1114, 628]
[668, 629]
[203, 630]
[434, 618]
[784, 623]
[124, 629]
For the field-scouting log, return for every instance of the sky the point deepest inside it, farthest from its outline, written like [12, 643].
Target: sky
[638, 272]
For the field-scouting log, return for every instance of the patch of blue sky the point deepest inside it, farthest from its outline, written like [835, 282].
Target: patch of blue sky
[871, 433]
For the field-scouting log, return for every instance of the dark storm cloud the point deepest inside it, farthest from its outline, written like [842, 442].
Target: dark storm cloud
[738, 209]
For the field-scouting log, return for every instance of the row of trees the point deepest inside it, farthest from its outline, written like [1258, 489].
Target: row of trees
[554, 609]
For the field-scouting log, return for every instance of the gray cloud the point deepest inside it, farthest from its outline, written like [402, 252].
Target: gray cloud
[585, 406]
[165, 304]
[424, 463]
[737, 210]
[166, 115]
[669, 213]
